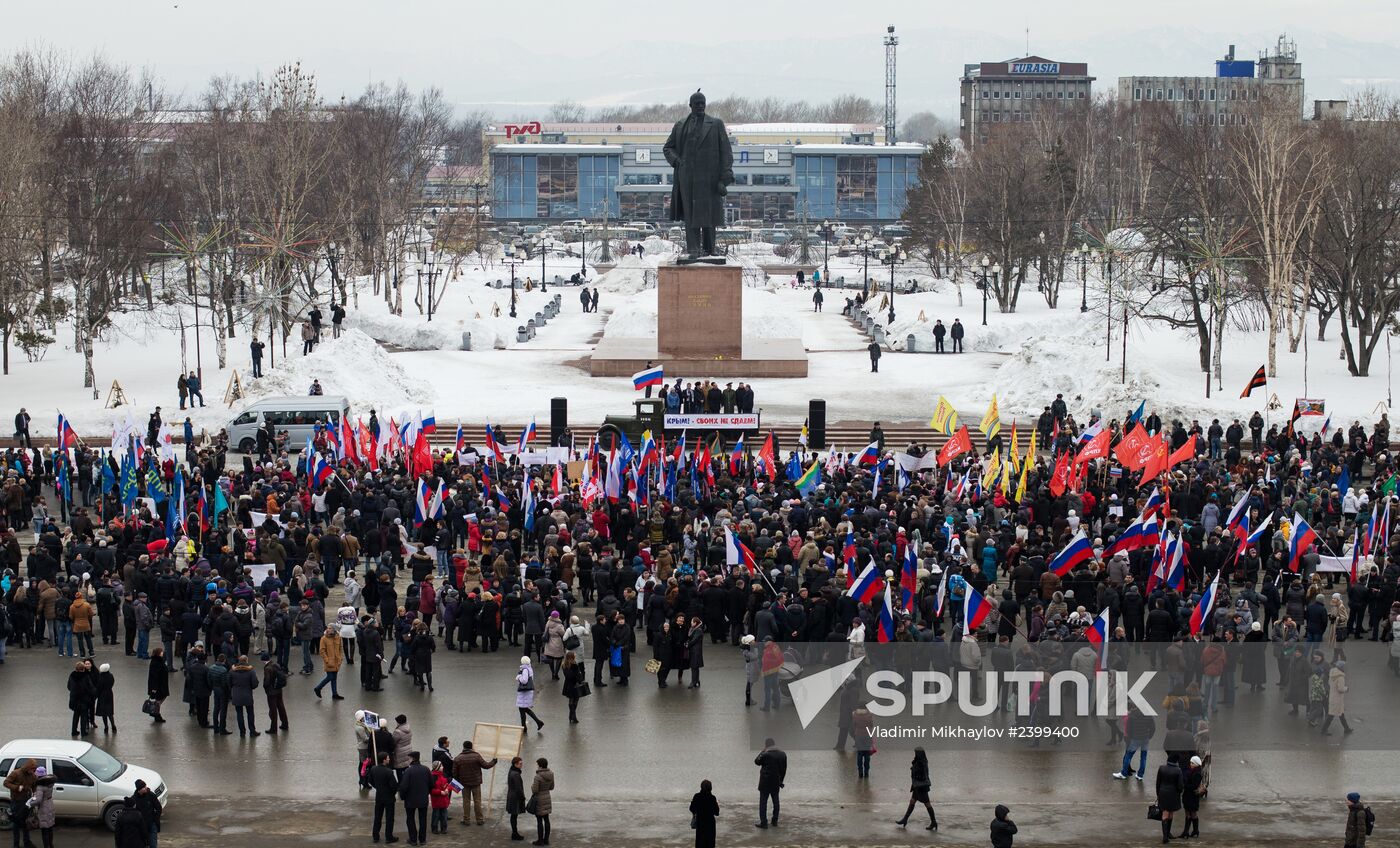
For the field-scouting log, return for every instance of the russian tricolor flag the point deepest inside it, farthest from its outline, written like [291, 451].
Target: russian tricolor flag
[648, 377]
[1155, 504]
[737, 553]
[1239, 512]
[1303, 537]
[886, 630]
[1206, 607]
[869, 456]
[526, 437]
[1142, 533]
[868, 584]
[909, 580]
[1078, 550]
[1176, 569]
[1098, 635]
[428, 423]
[975, 610]
[66, 437]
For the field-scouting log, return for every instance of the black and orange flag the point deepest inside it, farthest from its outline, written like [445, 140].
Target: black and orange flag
[1258, 381]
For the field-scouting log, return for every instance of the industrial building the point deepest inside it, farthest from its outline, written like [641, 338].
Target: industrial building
[1226, 97]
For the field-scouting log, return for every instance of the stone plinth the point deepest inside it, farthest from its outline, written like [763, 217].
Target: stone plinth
[700, 312]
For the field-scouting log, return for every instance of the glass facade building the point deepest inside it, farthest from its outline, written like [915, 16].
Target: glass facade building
[773, 183]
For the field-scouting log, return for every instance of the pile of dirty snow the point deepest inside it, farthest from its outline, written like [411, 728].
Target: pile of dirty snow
[352, 365]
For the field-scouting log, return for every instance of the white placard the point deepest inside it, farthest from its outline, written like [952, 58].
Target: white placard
[557, 456]
[532, 459]
[467, 458]
[260, 571]
[716, 421]
[1343, 564]
[258, 518]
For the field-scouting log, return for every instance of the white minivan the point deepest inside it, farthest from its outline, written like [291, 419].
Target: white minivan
[295, 416]
[89, 783]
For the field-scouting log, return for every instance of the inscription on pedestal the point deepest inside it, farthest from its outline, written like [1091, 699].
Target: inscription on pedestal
[700, 312]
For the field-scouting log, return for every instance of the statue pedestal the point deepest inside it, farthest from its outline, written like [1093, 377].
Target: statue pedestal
[700, 333]
[700, 312]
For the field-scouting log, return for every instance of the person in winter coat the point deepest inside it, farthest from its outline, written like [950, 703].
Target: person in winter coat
[242, 680]
[274, 682]
[331, 658]
[573, 684]
[131, 830]
[1170, 784]
[158, 682]
[421, 647]
[402, 739]
[1193, 790]
[416, 790]
[540, 792]
[752, 666]
[695, 650]
[42, 804]
[515, 797]
[1003, 828]
[772, 772]
[554, 643]
[525, 693]
[105, 707]
[1357, 814]
[82, 692]
[1336, 698]
[919, 786]
[704, 809]
[441, 799]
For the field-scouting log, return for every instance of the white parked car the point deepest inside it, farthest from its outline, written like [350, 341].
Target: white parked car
[89, 782]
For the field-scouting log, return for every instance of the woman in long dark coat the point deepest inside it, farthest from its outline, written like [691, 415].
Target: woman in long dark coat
[421, 648]
[1170, 785]
[662, 650]
[680, 648]
[515, 797]
[695, 650]
[704, 809]
[82, 692]
[621, 642]
[1193, 787]
[573, 682]
[106, 702]
[158, 682]
[1252, 671]
[919, 786]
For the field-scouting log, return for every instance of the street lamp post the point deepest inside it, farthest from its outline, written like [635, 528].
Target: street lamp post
[1082, 254]
[894, 258]
[982, 284]
[1108, 313]
[430, 258]
[512, 259]
[866, 243]
[826, 252]
[541, 244]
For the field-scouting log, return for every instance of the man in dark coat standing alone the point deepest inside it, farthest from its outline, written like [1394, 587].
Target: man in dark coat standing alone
[772, 771]
[415, 789]
[698, 149]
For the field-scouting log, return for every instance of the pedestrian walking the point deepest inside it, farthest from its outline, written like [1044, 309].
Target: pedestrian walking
[331, 658]
[863, 734]
[575, 687]
[441, 800]
[106, 706]
[919, 786]
[540, 804]
[772, 771]
[704, 810]
[274, 683]
[1138, 729]
[1360, 821]
[525, 694]
[752, 666]
[817, 299]
[1336, 698]
[41, 804]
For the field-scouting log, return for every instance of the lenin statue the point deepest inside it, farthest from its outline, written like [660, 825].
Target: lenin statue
[698, 149]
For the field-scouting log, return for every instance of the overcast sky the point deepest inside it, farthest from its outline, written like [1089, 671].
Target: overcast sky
[518, 57]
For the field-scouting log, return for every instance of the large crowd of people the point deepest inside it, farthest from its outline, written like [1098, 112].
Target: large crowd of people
[276, 568]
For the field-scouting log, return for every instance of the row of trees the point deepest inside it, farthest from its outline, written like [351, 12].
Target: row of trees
[1260, 222]
[260, 197]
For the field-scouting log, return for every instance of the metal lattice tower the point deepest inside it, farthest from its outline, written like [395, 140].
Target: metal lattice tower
[891, 42]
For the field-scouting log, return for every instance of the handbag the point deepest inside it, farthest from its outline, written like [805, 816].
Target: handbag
[527, 686]
[615, 657]
[571, 642]
[583, 690]
[150, 706]
[653, 666]
[532, 805]
[694, 821]
[1154, 812]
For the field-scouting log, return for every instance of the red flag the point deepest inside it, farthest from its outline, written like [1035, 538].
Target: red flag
[422, 458]
[1097, 447]
[770, 462]
[960, 443]
[1130, 447]
[368, 449]
[347, 440]
[1156, 459]
[1060, 479]
[1185, 453]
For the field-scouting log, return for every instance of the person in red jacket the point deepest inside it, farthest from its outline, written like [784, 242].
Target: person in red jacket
[440, 799]
[427, 601]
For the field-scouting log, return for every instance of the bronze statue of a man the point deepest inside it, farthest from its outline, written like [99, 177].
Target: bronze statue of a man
[698, 149]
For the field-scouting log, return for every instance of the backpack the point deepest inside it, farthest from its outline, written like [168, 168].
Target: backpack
[1370, 821]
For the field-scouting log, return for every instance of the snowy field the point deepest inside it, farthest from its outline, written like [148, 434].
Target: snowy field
[390, 361]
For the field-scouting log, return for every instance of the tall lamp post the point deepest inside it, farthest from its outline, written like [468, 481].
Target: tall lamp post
[984, 285]
[1107, 255]
[1081, 255]
[513, 258]
[541, 244]
[865, 243]
[429, 257]
[826, 252]
[893, 258]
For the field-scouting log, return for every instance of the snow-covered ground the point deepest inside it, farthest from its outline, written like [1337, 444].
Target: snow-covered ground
[1025, 357]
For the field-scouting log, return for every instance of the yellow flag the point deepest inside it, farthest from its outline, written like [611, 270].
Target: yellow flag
[945, 417]
[1015, 455]
[993, 470]
[1030, 452]
[1005, 484]
[1021, 487]
[991, 422]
